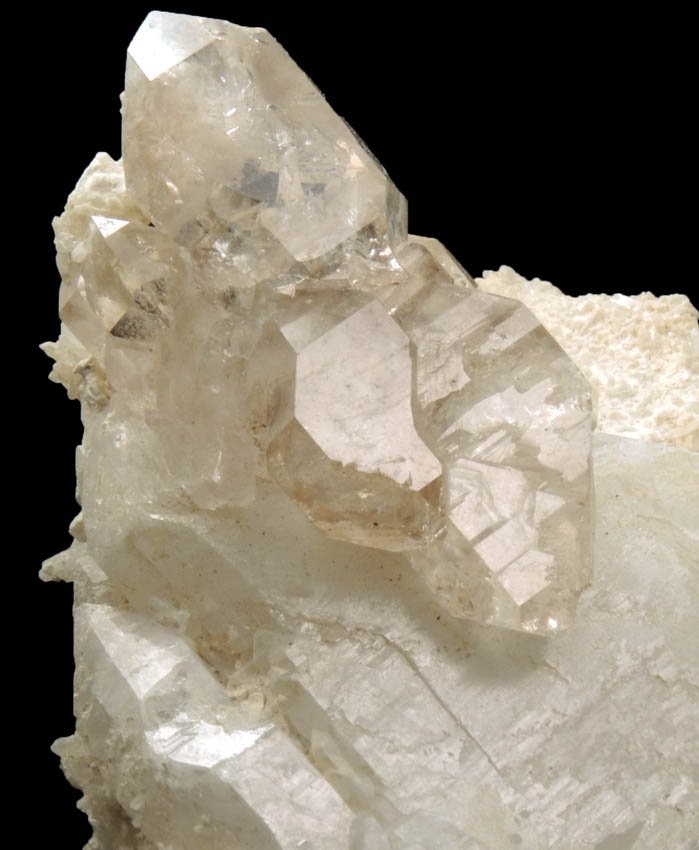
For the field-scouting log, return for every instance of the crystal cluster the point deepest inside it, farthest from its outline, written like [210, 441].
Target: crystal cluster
[251, 295]
[316, 456]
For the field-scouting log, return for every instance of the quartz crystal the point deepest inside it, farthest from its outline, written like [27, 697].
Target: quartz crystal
[248, 301]
[334, 492]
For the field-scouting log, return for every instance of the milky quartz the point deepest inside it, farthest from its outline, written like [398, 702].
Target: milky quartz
[337, 509]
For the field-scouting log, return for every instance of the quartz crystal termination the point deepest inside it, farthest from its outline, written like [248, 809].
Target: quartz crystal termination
[248, 291]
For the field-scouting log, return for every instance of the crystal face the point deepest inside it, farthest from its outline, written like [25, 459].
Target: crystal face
[264, 136]
[184, 721]
[351, 455]
[259, 302]
[334, 492]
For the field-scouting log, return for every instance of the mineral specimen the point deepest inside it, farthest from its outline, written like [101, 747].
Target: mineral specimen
[322, 467]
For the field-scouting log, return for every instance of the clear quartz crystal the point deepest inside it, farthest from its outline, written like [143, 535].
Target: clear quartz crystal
[262, 309]
[317, 460]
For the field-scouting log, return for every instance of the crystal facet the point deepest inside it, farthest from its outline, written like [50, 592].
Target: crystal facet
[264, 136]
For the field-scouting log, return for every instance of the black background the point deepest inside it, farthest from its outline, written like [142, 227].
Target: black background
[554, 142]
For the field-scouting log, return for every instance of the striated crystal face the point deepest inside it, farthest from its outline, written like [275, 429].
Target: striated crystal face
[509, 417]
[222, 766]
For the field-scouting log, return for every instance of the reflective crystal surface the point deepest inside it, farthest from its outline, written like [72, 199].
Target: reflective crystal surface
[219, 119]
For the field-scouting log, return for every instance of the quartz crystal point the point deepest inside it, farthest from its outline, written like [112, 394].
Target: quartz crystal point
[225, 137]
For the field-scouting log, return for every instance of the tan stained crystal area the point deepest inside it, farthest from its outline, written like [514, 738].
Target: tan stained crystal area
[350, 454]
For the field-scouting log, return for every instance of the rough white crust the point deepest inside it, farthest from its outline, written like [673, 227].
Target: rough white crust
[640, 353]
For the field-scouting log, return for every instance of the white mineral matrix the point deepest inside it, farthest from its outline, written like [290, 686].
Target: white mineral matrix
[371, 555]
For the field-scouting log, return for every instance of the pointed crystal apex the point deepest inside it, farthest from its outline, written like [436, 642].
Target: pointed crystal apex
[244, 119]
[108, 226]
[165, 39]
